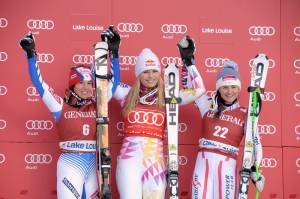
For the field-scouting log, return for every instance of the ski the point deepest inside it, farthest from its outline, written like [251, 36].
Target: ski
[171, 81]
[258, 78]
[103, 153]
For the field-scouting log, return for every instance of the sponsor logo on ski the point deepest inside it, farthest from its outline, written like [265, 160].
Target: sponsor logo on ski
[297, 129]
[297, 31]
[45, 57]
[143, 117]
[130, 27]
[173, 28]
[3, 90]
[261, 30]
[2, 158]
[173, 101]
[3, 56]
[39, 124]
[2, 124]
[297, 63]
[271, 63]
[215, 62]
[128, 60]
[259, 74]
[40, 24]
[38, 158]
[3, 23]
[171, 60]
[83, 59]
[268, 163]
[31, 91]
[269, 96]
[266, 129]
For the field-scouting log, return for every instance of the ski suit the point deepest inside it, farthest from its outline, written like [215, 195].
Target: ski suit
[141, 169]
[76, 166]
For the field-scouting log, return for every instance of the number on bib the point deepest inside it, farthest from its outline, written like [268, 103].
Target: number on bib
[220, 131]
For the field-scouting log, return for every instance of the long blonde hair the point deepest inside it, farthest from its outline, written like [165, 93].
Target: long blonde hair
[133, 97]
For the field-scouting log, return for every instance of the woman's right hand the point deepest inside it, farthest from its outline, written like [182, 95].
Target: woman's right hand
[113, 39]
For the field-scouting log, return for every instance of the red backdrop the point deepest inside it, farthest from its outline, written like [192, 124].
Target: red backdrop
[65, 32]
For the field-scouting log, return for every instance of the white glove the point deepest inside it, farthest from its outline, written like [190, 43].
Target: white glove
[258, 181]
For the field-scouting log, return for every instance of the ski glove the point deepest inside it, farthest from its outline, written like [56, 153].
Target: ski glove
[187, 49]
[258, 181]
[112, 37]
[28, 45]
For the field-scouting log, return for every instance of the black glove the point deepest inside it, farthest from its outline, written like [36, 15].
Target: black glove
[28, 45]
[113, 40]
[187, 49]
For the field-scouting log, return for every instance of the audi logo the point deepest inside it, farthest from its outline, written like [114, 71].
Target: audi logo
[271, 63]
[128, 60]
[298, 163]
[40, 24]
[3, 56]
[45, 58]
[269, 96]
[266, 129]
[268, 163]
[170, 60]
[297, 63]
[174, 28]
[297, 96]
[3, 23]
[142, 117]
[210, 93]
[2, 158]
[261, 30]
[83, 59]
[213, 62]
[2, 124]
[297, 31]
[3, 90]
[38, 158]
[130, 27]
[182, 127]
[297, 129]
[39, 124]
[31, 91]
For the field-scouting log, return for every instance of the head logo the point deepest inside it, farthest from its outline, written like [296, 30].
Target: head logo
[297, 63]
[128, 60]
[171, 60]
[173, 28]
[40, 24]
[271, 63]
[83, 59]
[214, 62]
[261, 30]
[38, 158]
[266, 129]
[45, 58]
[3, 23]
[269, 96]
[268, 163]
[297, 31]
[31, 91]
[3, 56]
[2, 124]
[2, 158]
[3, 90]
[130, 27]
[297, 129]
[39, 125]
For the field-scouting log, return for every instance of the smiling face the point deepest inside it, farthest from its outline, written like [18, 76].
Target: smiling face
[149, 78]
[229, 93]
[84, 89]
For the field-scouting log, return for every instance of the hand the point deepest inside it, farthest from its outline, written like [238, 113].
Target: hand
[187, 49]
[259, 180]
[113, 40]
[28, 45]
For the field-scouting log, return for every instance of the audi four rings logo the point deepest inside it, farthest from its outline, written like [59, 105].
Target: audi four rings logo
[297, 63]
[31, 91]
[297, 31]
[2, 124]
[2, 158]
[40, 24]
[128, 60]
[142, 117]
[45, 58]
[169, 60]
[269, 96]
[3, 23]
[214, 62]
[39, 124]
[297, 163]
[297, 96]
[83, 59]
[3, 56]
[182, 127]
[3, 90]
[174, 28]
[271, 63]
[268, 163]
[38, 158]
[130, 27]
[267, 129]
[297, 129]
[261, 30]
